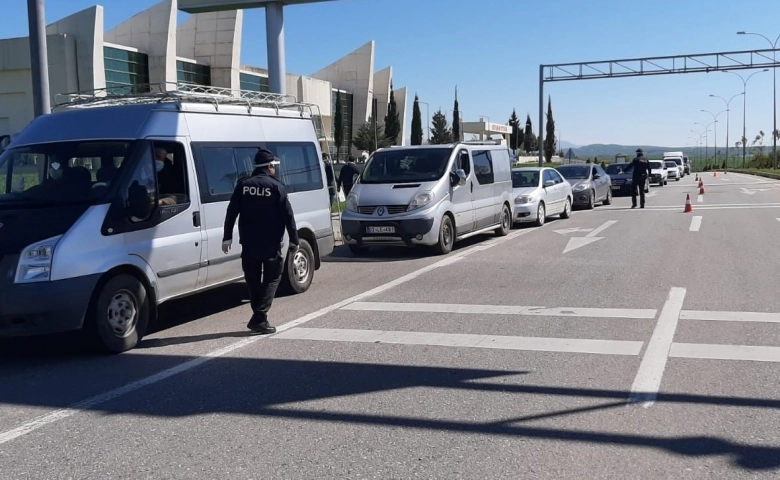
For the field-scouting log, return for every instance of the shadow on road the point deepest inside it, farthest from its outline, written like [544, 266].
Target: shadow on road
[289, 389]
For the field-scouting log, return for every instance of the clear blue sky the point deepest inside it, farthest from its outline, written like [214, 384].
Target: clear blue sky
[492, 49]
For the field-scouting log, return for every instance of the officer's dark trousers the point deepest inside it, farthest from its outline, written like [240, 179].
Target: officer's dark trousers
[640, 185]
[262, 277]
[347, 188]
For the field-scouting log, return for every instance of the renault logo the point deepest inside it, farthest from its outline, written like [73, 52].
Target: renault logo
[380, 211]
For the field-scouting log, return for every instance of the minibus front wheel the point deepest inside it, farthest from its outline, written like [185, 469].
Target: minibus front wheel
[117, 319]
[299, 269]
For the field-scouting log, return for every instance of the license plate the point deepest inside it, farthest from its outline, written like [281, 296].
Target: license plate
[380, 229]
[615, 187]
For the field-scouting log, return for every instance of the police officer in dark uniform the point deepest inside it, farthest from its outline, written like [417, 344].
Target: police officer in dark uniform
[641, 170]
[260, 202]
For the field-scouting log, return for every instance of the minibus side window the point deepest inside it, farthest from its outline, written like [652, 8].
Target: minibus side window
[171, 165]
[483, 166]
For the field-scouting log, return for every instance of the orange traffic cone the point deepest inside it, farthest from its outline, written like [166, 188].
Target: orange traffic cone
[688, 206]
[715, 173]
[697, 177]
[701, 188]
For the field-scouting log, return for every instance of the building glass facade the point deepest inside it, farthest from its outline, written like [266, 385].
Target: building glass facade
[347, 101]
[126, 71]
[254, 83]
[192, 73]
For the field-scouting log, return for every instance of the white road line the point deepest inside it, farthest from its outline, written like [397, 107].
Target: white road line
[695, 224]
[670, 208]
[758, 317]
[651, 370]
[537, 344]
[725, 352]
[601, 229]
[700, 199]
[501, 310]
[92, 402]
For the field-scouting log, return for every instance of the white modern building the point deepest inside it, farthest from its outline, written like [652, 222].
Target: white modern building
[152, 48]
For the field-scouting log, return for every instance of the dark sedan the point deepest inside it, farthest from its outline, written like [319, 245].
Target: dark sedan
[622, 181]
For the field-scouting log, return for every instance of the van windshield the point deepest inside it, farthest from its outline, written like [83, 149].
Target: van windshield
[61, 173]
[406, 165]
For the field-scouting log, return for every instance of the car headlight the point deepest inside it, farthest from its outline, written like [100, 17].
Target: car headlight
[35, 261]
[581, 187]
[420, 200]
[352, 202]
[523, 199]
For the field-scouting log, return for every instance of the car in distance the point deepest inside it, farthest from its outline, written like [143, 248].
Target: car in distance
[538, 193]
[672, 170]
[590, 184]
[658, 173]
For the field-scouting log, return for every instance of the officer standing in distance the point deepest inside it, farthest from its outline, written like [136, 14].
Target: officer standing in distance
[641, 169]
[260, 202]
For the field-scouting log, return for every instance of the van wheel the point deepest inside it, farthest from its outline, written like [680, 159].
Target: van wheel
[506, 222]
[446, 236]
[299, 269]
[119, 315]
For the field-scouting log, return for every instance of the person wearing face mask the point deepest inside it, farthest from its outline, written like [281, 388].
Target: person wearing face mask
[264, 212]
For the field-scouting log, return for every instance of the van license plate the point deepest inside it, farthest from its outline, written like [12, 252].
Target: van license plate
[615, 187]
[380, 229]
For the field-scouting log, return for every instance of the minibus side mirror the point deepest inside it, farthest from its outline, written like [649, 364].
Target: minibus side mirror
[459, 178]
[140, 203]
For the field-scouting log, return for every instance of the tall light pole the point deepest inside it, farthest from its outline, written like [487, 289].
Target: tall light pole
[744, 109]
[706, 138]
[715, 142]
[774, 92]
[727, 102]
[39, 57]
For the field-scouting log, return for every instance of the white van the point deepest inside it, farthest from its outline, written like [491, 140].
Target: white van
[430, 195]
[91, 238]
[678, 158]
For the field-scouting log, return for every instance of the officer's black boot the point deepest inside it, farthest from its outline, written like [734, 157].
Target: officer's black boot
[263, 328]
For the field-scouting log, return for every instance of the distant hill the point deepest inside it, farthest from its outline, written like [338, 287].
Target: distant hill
[601, 150]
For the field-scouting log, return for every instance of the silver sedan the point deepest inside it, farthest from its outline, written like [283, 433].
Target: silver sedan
[539, 193]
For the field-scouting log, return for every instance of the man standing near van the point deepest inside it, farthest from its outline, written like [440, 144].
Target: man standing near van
[347, 175]
[642, 170]
[331, 177]
[260, 202]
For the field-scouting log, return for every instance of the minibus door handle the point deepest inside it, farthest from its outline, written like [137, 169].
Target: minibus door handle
[196, 219]
[472, 187]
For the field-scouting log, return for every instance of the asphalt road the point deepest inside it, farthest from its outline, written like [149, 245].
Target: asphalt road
[649, 349]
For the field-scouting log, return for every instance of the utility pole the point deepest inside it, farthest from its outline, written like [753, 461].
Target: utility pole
[39, 59]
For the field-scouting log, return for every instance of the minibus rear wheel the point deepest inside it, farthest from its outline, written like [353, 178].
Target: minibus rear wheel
[299, 269]
[117, 319]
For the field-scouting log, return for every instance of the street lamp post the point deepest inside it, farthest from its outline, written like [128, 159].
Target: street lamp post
[774, 91]
[727, 102]
[706, 139]
[744, 110]
[715, 142]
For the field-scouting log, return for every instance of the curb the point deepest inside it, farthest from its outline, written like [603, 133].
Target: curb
[773, 176]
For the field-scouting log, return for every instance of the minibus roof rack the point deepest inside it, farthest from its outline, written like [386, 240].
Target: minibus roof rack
[175, 92]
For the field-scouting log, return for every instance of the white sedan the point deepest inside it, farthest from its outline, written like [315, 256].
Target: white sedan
[539, 193]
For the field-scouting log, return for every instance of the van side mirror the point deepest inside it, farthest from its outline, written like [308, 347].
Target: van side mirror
[461, 174]
[596, 176]
[140, 203]
[549, 183]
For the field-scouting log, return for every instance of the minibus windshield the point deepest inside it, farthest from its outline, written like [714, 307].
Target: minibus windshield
[406, 165]
[62, 172]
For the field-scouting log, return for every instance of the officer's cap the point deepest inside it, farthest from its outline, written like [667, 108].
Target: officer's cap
[264, 158]
[639, 150]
